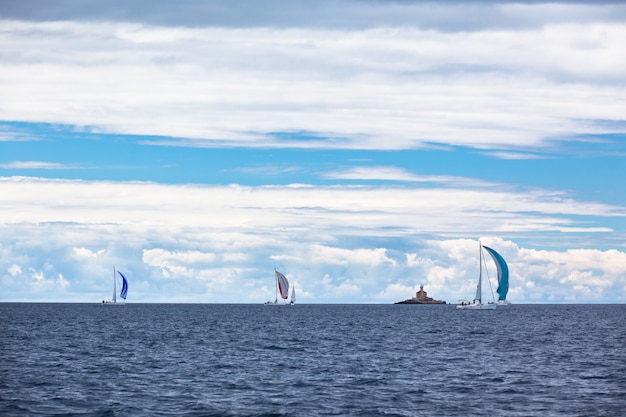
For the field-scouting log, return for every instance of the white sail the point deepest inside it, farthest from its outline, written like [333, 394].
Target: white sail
[477, 304]
[114, 287]
[479, 287]
[283, 285]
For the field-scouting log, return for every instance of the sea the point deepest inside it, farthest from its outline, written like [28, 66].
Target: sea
[311, 360]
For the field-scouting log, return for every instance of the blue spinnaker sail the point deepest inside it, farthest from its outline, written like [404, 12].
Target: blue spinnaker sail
[503, 273]
[124, 286]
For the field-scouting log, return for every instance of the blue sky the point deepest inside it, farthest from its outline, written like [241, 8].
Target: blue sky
[362, 148]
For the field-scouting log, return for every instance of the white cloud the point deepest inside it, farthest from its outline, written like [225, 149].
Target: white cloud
[87, 253]
[347, 257]
[515, 155]
[378, 88]
[391, 173]
[14, 270]
[160, 257]
[290, 209]
[269, 170]
[189, 243]
[33, 165]
[396, 292]
[40, 282]
[62, 282]
[10, 135]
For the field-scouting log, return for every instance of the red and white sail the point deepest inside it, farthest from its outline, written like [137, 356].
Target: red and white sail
[283, 285]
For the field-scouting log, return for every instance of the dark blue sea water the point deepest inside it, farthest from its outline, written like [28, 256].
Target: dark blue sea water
[312, 360]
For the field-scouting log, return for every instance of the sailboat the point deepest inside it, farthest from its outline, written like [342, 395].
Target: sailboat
[123, 292]
[477, 303]
[293, 295]
[503, 277]
[282, 288]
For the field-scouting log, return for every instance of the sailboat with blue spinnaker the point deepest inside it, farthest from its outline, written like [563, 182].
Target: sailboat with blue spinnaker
[123, 291]
[477, 303]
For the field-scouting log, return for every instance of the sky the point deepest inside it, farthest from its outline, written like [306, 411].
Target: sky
[361, 148]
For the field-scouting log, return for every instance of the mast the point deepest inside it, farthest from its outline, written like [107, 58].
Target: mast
[276, 287]
[114, 289]
[480, 274]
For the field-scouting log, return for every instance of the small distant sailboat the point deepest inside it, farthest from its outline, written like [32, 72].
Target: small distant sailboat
[477, 303]
[293, 295]
[282, 288]
[123, 292]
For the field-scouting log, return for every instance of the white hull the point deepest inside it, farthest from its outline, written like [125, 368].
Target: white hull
[504, 303]
[489, 306]
[271, 303]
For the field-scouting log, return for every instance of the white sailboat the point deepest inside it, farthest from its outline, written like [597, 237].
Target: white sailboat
[282, 288]
[477, 303]
[293, 295]
[123, 292]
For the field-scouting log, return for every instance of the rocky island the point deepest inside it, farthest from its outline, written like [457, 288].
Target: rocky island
[421, 298]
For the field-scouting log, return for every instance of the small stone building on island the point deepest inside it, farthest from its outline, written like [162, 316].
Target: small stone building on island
[421, 297]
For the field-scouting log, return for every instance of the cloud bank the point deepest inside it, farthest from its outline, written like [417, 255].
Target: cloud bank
[374, 88]
[522, 83]
[192, 243]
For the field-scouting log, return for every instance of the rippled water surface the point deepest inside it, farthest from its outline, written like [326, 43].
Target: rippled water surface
[312, 360]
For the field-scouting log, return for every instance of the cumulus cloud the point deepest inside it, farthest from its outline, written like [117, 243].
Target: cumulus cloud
[87, 253]
[221, 243]
[14, 270]
[40, 282]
